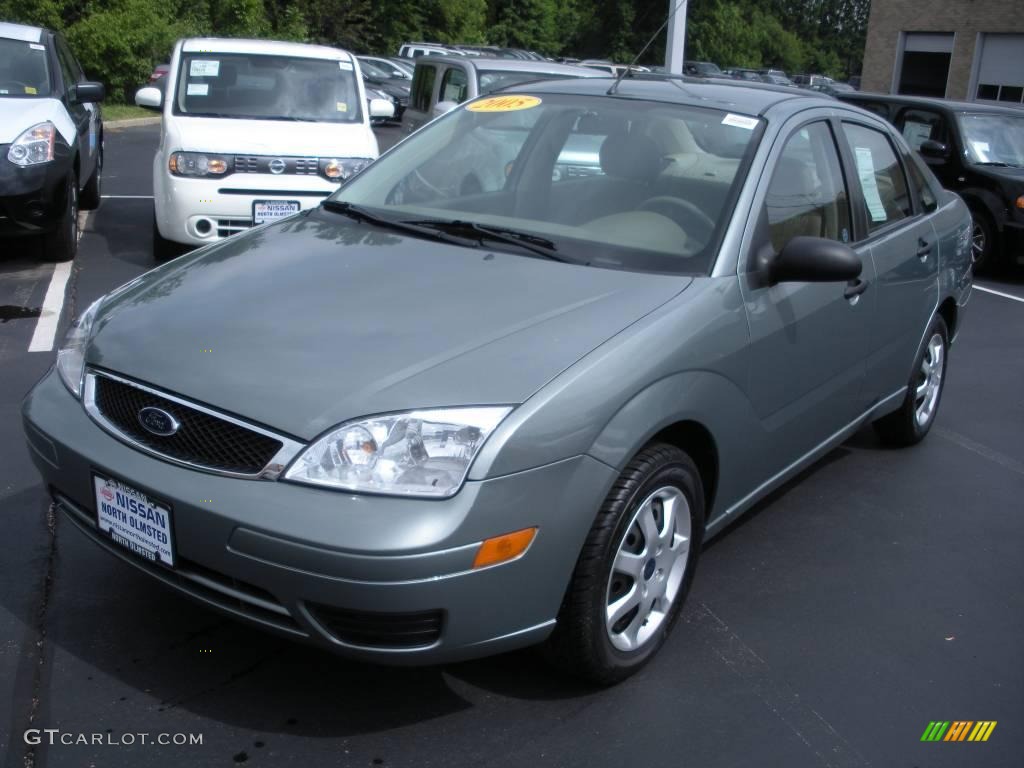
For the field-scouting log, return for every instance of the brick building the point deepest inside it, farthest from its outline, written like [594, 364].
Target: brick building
[957, 49]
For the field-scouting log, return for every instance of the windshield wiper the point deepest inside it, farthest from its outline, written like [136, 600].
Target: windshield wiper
[361, 214]
[998, 164]
[538, 245]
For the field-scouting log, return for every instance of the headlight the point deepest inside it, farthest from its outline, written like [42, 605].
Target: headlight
[343, 169]
[71, 355]
[197, 164]
[418, 453]
[34, 146]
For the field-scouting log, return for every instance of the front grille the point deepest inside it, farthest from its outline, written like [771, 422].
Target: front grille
[380, 630]
[228, 227]
[293, 166]
[202, 439]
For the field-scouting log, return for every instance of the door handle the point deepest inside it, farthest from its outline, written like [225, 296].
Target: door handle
[855, 288]
[923, 248]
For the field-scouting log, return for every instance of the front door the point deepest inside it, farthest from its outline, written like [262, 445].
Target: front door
[808, 340]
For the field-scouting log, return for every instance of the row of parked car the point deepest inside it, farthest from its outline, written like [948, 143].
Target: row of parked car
[258, 130]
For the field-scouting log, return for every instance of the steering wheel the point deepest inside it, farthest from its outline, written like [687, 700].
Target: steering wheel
[697, 224]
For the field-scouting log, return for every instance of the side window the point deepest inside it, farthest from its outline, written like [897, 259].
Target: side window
[918, 125]
[882, 180]
[453, 85]
[807, 195]
[918, 178]
[423, 87]
[69, 69]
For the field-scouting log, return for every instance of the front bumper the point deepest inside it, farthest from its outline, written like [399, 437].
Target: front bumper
[201, 211]
[333, 568]
[33, 199]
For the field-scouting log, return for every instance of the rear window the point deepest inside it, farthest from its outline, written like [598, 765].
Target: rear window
[263, 87]
[23, 69]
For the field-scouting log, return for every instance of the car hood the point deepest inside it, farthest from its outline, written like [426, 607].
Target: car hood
[270, 137]
[316, 320]
[19, 114]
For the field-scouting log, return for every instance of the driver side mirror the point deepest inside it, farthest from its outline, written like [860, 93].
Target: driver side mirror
[443, 107]
[812, 260]
[935, 150]
[88, 93]
[149, 98]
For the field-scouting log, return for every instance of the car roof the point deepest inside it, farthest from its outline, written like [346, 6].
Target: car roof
[924, 101]
[21, 32]
[719, 93]
[516, 65]
[268, 47]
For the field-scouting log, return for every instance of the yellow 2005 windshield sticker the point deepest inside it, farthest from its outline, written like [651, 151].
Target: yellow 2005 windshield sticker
[504, 104]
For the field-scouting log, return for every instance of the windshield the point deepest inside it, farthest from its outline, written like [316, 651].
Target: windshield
[615, 183]
[267, 88]
[993, 138]
[23, 69]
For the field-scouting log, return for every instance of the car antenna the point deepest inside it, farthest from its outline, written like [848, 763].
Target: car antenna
[615, 86]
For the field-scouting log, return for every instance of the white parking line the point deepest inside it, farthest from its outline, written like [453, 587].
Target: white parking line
[126, 197]
[998, 293]
[49, 318]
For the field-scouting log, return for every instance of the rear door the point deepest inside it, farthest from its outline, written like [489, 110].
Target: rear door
[902, 241]
[808, 340]
[422, 96]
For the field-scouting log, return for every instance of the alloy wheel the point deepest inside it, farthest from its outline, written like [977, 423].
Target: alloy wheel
[648, 569]
[978, 243]
[926, 396]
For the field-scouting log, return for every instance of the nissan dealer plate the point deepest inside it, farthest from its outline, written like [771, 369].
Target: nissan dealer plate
[272, 210]
[133, 520]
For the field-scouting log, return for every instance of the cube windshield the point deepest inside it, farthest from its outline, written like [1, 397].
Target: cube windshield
[606, 182]
[23, 70]
[267, 88]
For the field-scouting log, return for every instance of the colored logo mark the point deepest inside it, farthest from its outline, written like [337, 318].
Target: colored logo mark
[958, 730]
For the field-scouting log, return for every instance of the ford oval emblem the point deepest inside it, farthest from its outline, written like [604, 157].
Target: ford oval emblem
[277, 165]
[158, 421]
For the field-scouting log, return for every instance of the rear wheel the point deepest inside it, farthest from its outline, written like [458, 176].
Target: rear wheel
[635, 569]
[62, 243]
[916, 415]
[983, 242]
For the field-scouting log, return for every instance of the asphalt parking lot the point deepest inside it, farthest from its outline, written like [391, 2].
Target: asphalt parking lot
[880, 591]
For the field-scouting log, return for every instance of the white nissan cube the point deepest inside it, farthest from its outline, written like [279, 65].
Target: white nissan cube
[253, 131]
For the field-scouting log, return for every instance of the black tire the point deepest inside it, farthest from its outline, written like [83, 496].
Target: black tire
[984, 246]
[62, 243]
[89, 200]
[581, 643]
[164, 249]
[905, 426]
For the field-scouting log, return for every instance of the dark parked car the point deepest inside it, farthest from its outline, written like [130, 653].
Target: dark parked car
[702, 69]
[448, 420]
[396, 88]
[51, 139]
[976, 150]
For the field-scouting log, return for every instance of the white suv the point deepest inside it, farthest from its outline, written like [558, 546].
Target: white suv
[253, 131]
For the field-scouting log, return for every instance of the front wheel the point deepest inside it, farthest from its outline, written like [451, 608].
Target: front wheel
[62, 243]
[635, 569]
[983, 242]
[920, 406]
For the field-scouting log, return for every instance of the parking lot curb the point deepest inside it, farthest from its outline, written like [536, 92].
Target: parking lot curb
[130, 122]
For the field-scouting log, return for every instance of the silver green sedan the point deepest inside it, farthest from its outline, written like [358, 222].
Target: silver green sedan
[431, 420]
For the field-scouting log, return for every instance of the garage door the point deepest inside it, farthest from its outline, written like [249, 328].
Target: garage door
[1001, 69]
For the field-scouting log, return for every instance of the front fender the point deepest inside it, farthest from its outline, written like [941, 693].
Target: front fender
[976, 197]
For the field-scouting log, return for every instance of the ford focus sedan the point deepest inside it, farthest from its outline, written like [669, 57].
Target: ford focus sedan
[421, 422]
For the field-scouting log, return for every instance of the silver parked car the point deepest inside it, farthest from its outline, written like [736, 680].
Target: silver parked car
[421, 423]
[441, 83]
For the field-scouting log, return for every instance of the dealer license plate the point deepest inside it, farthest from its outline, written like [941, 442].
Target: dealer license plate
[272, 210]
[133, 520]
